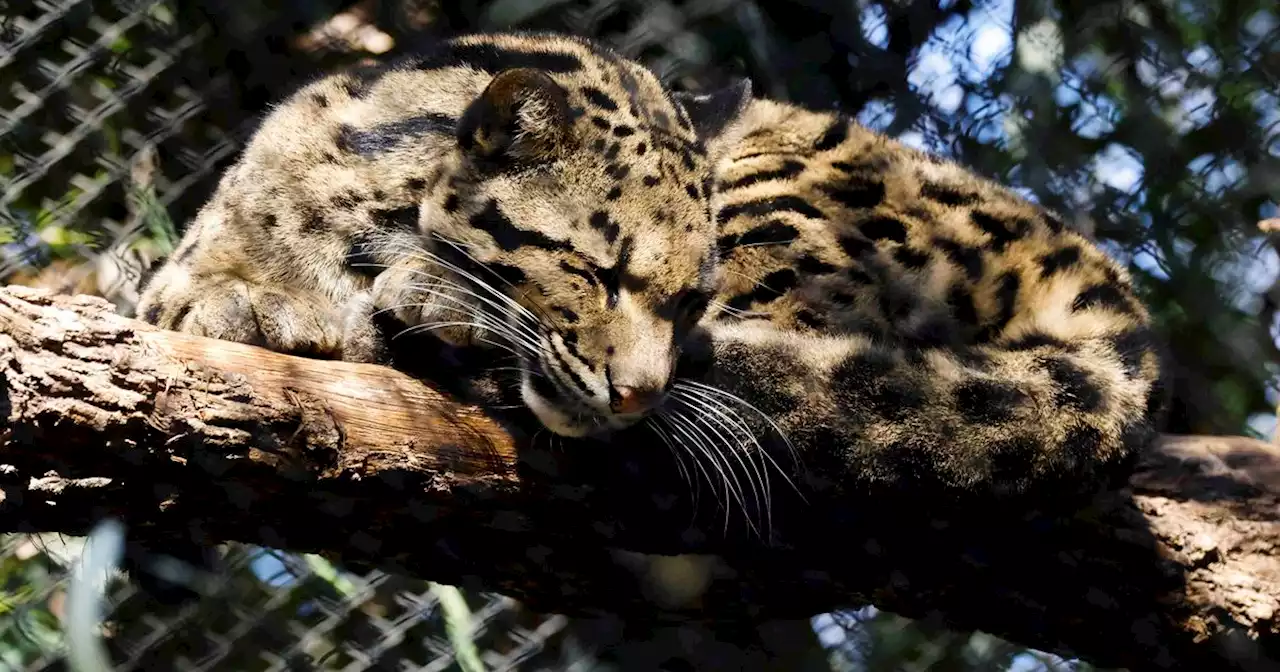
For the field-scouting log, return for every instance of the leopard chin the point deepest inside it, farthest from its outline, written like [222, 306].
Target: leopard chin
[579, 425]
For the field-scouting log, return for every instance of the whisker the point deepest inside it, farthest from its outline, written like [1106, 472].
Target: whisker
[697, 463]
[754, 281]
[763, 244]
[737, 312]
[500, 302]
[722, 412]
[486, 321]
[708, 408]
[684, 472]
[521, 320]
[512, 368]
[426, 255]
[691, 485]
[696, 484]
[432, 326]
[460, 248]
[730, 479]
[755, 476]
[479, 325]
[519, 323]
[715, 391]
[505, 306]
[693, 387]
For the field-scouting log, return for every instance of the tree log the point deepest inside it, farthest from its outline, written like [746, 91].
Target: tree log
[218, 441]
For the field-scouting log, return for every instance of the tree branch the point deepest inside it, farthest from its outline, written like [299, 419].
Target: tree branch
[221, 441]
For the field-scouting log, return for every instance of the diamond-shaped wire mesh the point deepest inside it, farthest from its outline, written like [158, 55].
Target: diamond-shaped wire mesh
[273, 611]
[110, 112]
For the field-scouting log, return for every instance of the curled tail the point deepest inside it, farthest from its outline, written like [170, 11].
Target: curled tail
[1058, 403]
[913, 327]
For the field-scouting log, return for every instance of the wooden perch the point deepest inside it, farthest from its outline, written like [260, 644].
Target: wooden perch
[221, 441]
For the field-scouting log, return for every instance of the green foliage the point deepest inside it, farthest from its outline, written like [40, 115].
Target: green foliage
[458, 624]
[29, 630]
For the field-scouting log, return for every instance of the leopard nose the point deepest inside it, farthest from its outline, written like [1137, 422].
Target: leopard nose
[627, 400]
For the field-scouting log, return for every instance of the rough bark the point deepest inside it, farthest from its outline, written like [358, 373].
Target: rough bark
[220, 441]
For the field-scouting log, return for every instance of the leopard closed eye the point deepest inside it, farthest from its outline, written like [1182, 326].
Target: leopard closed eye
[535, 193]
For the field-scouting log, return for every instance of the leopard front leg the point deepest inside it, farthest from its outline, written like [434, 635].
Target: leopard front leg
[226, 307]
[363, 338]
[409, 296]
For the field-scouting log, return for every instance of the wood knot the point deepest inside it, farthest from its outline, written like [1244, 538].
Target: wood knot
[318, 438]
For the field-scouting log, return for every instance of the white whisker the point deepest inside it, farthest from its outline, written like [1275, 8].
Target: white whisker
[503, 307]
[705, 392]
[684, 472]
[763, 244]
[521, 327]
[517, 332]
[733, 487]
[520, 317]
[756, 475]
[460, 248]
[689, 446]
[432, 326]
[481, 324]
[708, 389]
[709, 408]
[513, 368]
[421, 254]
[737, 312]
[691, 484]
[517, 320]
[695, 483]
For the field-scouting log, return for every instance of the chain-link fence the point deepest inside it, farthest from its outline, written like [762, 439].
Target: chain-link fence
[1157, 128]
[273, 611]
[115, 120]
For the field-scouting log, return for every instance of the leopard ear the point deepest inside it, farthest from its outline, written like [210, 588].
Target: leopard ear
[522, 115]
[711, 112]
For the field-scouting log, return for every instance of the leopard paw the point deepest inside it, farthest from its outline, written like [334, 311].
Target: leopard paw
[426, 308]
[235, 310]
[363, 336]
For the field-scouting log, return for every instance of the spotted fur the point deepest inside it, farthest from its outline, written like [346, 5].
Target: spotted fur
[545, 165]
[740, 276]
[894, 312]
